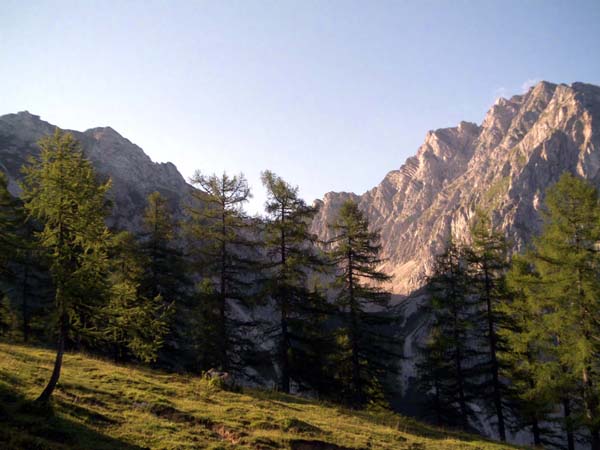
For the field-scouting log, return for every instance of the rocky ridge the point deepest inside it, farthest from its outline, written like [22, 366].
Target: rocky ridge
[503, 165]
[134, 176]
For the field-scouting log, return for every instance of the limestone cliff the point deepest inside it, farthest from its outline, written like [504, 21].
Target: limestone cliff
[503, 165]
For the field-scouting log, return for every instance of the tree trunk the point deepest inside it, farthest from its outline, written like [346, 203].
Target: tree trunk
[356, 381]
[535, 429]
[595, 439]
[438, 403]
[285, 363]
[25, 306]
[568, 425]
[458, 366]
[62, 337]
[285, 343]
[223, 303]
[493, 357]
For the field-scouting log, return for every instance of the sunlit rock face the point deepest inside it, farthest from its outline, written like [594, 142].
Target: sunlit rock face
[503, 165]
[133, 174]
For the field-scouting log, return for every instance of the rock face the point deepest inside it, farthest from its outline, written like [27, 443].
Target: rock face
[503, 165]
[134, 176]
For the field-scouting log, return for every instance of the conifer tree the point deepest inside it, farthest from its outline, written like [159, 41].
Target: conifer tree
[61, 191]
[156, 244]
[292, 256]
[22, 270]
[136, 325]
[562, 303]
[312, 361]
[434, 381]
[446, 362]
[11, 221]
[31, 288]
[488, 263]
[365, 349]
[166, 275]
[227, 261]
[532, 402]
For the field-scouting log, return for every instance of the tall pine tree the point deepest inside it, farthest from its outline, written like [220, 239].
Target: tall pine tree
[136, 325]
[532, 402]
[446, 362]
[227, 259]
[11, 220]
[62, 192]
[366, 355]
[292, 256]
[562, 304]
[488, 263]
[166, 275]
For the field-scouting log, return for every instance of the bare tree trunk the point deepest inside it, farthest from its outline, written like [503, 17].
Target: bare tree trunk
[568, 425]
[535, 428]
[25, 306]
[493, 358]
[62, 336]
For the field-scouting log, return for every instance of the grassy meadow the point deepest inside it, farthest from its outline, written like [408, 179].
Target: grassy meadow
[100, 405]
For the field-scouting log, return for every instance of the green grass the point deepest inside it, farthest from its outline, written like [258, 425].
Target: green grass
[100, 405]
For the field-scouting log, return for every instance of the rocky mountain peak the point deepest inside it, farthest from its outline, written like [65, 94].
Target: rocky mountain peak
[104, 133]
[503, 166]
[134, 175]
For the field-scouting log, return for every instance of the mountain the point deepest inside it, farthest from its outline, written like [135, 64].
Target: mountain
[503, 165]
[134, 175]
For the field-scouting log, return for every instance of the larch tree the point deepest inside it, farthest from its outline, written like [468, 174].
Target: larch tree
[166, 275]
[564, 297]
[446, 362]
[227, 260]
[488, 262]
[11, 220]
[292, 256]
[366, 351]
[136, 325]
[532, 401]
[22, 269]
[62, 192]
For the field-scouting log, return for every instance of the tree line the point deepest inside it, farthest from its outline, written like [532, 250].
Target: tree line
[259, 298]
[520, 335]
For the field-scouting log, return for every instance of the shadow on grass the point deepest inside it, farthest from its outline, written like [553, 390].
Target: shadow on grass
[389, 419]
[412, 426]
[25, 424]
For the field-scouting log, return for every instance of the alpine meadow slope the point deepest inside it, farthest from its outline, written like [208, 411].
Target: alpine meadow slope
[100, 405]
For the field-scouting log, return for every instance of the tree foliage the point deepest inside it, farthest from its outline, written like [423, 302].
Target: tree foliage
[559, 306]
[227, 260]
[291, 258]
[365, 342]
[62, 192]
[445, 367]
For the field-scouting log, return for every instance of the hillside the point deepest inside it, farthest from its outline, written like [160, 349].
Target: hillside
[100, 405]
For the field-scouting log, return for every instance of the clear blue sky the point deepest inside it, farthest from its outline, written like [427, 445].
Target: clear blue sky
[331, 95]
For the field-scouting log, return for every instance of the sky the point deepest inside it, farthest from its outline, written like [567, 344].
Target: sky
[328, 94]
